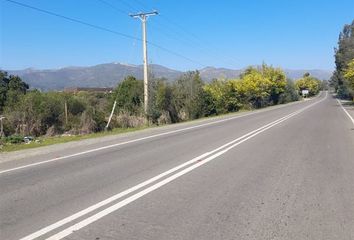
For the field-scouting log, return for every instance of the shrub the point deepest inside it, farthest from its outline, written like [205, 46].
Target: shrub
[14, 139]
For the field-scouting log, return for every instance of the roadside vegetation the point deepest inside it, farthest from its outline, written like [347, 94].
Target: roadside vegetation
[43, 118]
[343, 76]
[309, 83]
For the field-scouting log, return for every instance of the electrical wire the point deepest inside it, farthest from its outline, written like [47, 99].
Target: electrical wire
[112, 6]
[161, 30]
[141, 4]
[177, 37]
[103, 29]
[73, 20]
[128, 5]
[195, 40]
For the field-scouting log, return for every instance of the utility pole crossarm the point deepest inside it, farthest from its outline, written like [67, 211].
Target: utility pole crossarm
[143, 17]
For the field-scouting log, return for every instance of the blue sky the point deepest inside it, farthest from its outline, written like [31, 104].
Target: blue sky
[293, 34]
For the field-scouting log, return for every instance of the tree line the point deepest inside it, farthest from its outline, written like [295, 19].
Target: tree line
[343, 77]
[29, 112]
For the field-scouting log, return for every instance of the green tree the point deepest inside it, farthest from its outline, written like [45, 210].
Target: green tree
[278, 81]
[162, 101]
[28, 116]
[4, 87]
[261, 86]
[343, 55]
[52, 111]
[216, 92]
[12, 88]
[349, 74]
[222, 96]
[254, 88]
[129, 95]
[16, 89]
[188, 94]
[95, 110]
[290, 94]
[308, 82]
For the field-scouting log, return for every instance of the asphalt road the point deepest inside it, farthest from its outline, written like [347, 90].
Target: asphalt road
[281, 173]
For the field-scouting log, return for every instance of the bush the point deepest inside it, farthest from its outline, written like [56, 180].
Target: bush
[125, 120]
[14, 139]
[309, 83]
[343, 92]
[291, 94]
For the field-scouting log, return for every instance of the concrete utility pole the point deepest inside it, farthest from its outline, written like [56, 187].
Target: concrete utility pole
[66, 112]
[1, 126]
[143, 17]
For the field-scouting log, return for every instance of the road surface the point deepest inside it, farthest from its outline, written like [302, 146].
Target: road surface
[285, 172]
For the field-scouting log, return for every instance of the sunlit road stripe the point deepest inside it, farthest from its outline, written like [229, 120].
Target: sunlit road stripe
[197, 162]
[130, 190]
[345, 110]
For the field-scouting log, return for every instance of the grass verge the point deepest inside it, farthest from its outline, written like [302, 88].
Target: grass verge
[46, 141]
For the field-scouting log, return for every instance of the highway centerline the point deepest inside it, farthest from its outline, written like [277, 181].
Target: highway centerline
[195, 162]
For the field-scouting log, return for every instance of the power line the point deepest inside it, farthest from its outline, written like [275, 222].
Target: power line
[195, 40]
[172, 23]
[125, 13]
[161, 30]
[180, 27]
[118, 9]
[73, 20]
[195, 37]
[177, 54]
[192, 36]
[129, 6]
[207, 51]
[113, 7]
[103, 29]
[141, 4]
[190, 43]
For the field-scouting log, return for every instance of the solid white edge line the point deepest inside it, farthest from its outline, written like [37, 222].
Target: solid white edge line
[345, 110]
[151, 180]
[123, 143]
[132, 189]
[140, 194]
[136, 140]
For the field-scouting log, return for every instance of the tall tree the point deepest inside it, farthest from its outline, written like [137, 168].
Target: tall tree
[11, 89]
[343, 55]
[254, 88]
[129, 95]
[188, 95]
[278, 79]
[349, 74]
[4, 87]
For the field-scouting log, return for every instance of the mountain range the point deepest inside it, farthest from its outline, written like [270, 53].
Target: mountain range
[109, 74]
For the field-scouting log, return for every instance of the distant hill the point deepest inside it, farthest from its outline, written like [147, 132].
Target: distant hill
[210, 73]
[317, 73]
[103, 75]
[110, 74]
